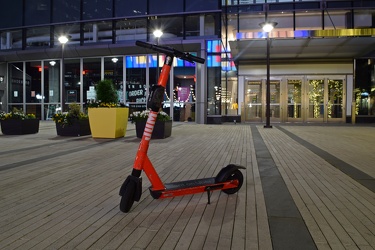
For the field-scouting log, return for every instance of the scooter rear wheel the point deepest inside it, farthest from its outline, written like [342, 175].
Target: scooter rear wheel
[127, 198]
[236, 175]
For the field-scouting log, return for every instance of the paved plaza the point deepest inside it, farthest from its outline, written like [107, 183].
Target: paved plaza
[305, 187]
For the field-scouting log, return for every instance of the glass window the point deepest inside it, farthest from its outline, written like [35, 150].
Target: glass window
[192, 25]
[309, 20]
[11, 14]
[316, 98]
[16, 83]
[136, 82]
[171, 26]
[132, 29]
[335, 19]
[212, 25]
[284, 20]
[365, 86]
[38, 37]
[199, 5]
[183, 92]
[335, 99]
[98, 32]
[34, 109]
[91, 75]
[250, 22]
[130, 8]
[113, 69]
[73, 30]
[52, 81]
[364, 18]
[71, 82]
[66, 11]
[229, 95]
[37, 12]
[12, 39]
[294, 98]
[232, 27]
[97, 9]
[214, 90]
[166, 6]
[33, 82]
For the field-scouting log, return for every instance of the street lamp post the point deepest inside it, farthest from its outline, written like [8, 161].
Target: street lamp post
[63, 40]
[268, 27]
[157, 33]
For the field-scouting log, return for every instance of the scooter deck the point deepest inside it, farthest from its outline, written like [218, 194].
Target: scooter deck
[185, 187]
[190, 183]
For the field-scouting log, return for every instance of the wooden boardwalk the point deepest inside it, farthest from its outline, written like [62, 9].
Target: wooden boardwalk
[62, 193]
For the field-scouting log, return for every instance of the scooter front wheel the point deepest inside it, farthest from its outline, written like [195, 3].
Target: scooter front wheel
[127, 199]
[235, 175]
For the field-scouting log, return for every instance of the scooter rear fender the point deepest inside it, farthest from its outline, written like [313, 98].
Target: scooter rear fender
[226, 172]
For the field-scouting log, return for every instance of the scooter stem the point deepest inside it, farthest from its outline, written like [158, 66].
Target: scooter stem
[154, 103]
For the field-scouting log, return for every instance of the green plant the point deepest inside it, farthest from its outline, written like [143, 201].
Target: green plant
[143, 115]
[16, 114]
[69, 117]
[106, 95]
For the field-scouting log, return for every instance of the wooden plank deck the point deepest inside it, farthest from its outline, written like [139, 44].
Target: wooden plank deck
[62, 193]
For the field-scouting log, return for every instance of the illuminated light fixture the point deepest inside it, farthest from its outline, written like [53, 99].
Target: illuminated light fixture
[158, 33]
[52, 63]
[63, 39]
[268, 26]
[114, 60]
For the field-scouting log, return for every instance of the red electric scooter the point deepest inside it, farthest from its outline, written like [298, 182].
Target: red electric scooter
[229, 179]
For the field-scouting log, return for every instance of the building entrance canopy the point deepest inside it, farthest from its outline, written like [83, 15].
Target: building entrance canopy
[317, 44]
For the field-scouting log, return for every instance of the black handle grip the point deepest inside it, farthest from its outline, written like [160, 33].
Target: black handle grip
[171, 51]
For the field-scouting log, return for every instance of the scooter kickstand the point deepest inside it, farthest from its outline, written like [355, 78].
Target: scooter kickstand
[209, 193]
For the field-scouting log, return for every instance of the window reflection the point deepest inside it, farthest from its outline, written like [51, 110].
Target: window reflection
[15, 91]
[97, 9]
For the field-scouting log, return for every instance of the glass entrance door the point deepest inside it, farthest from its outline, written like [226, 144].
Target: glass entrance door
[253, 101]
[336, 100]
[316, 109]
[275, 100]
[294, 102]
[297, 99]
[326, 98]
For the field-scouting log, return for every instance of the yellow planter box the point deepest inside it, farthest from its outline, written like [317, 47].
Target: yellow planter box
[108, 122]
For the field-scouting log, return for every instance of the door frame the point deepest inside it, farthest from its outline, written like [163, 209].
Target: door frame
[325, 117]
[284, 99]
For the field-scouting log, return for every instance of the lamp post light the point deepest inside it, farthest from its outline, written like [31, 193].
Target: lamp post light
[268, 27]
[114, 60]
[157, 33]
[63, 40]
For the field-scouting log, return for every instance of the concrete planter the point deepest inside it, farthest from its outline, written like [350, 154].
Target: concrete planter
[20, 127]
[162, 129]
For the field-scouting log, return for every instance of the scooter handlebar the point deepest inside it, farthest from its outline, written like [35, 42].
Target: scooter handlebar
[171, 51]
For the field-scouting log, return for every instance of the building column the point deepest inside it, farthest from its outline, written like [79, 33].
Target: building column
[201, 89]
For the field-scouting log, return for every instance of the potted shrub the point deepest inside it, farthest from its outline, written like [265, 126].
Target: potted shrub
[163, 124]
[17, 122]
[72, 123]
[108, 118]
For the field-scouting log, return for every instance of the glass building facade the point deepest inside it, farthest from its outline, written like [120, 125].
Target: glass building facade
[39, 75]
